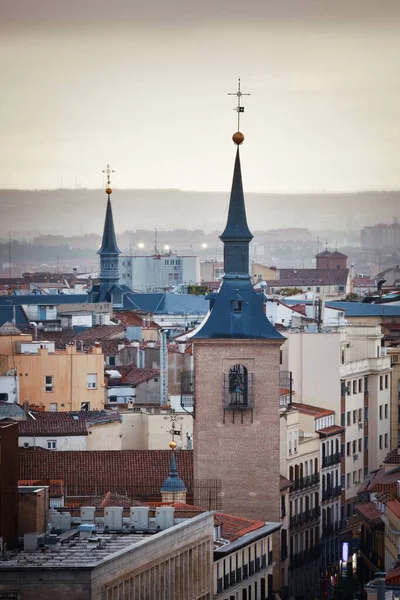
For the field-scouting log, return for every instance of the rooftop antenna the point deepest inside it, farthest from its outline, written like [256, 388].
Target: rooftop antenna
[9, 255]
[155, 241]
[326, 244]
[239, 108]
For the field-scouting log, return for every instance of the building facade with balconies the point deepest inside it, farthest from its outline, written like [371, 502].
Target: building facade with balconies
[300, 463]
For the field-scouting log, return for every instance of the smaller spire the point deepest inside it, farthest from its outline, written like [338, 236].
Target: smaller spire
[109, 242]
[173, 483]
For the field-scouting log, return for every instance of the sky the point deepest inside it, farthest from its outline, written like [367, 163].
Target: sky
[143, 86]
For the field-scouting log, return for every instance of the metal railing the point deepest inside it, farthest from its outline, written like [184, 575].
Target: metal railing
[332, 459]
[304, 482]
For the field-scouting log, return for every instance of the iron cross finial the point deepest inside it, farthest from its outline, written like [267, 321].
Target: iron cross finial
[239, 108]
[108, 172]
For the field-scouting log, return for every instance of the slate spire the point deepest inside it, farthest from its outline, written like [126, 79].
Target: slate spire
[109, 250]
[173, 483]
[237, 235]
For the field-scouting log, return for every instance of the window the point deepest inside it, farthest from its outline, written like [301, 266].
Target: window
[53, 407]
[386, 411]
[48, 383]
[354, 477]
[360, 386]
[366, 413]
[366, 384]
[342, 482]
[52, 444]
[237, 306]
[381, 382]
[360, 414]
[92, 381]
[342, 450]
[359, 444]
[348, 418]
[380, 412]
[348, 479]
[343, 419]
[366, 443]
[354, 386]
[342, 356]
[354, 446]
[386, 440]
[359, 475]
[348, 448]
[85, 406]
[238, 385]
[354, 416]
[380, 442]
[386, 382]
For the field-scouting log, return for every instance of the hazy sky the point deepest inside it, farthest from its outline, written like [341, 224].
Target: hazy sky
[143, 85]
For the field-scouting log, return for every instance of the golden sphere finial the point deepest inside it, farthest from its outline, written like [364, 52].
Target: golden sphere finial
[238, 138]
[172, 445]
[108, 191]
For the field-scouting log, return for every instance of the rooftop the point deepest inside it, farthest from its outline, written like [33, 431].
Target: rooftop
[74, 552]
[65, 423]
[315, 411]
[368, 511]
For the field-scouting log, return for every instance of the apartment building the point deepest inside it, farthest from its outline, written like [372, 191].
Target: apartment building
[158, 271]
[300, 463]
[346, 370]
[58, 380]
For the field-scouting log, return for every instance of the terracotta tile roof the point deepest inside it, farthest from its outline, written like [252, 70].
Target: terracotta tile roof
[393, 458]
[132, 473]
[289, 277]
[331, 430]
[284, 483]
[300, 308]
[394, 506]
[64, 337]
[381, 480]
[65, 423]
[315, 411]
[131, 318]
[101, 332]
[56, 486]
[134, 375]
[393, 576]
[368, 511]
[235, 527]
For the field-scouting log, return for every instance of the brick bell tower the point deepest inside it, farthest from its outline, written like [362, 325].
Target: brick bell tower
[236, 369]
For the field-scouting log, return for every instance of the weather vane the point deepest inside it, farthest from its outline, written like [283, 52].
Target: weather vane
[238, 137]
[108, 172]
[239, 109]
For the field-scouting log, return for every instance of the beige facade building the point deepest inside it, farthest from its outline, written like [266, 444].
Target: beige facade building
[57, 380]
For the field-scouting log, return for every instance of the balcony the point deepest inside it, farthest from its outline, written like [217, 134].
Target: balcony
[330, 528]
[305, 482]
[331, 492]
[284, 552]
[299, 559]
[305, 517]
[333, 459]
[187, 390]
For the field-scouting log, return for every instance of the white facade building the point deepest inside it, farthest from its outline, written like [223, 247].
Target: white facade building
[345, 370]
[158, 271]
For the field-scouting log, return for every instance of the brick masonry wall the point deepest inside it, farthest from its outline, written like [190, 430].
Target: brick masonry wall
[244, 456]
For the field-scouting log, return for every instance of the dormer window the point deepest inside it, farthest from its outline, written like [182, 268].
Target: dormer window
[237, 306]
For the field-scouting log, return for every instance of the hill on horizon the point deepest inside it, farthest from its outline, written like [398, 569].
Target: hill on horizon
[79, 211]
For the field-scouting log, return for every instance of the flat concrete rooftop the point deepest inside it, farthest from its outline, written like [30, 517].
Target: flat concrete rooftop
[73, 552]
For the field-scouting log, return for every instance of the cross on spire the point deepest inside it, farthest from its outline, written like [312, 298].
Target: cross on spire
[108, 172]
[239, 108]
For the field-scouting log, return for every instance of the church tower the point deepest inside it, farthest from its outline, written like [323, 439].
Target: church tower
[236, 357]
[109, 250]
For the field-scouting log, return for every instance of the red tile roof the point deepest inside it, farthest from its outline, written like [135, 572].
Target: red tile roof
[101, 332]
[315, 411]
[131, 318]
[132, 473]
[368, 511]
[64, 423]
[331, 430]
[394, 506]
[381, 480]
[233, 527]
[393, 576]
[393, 458]
[133, 375]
